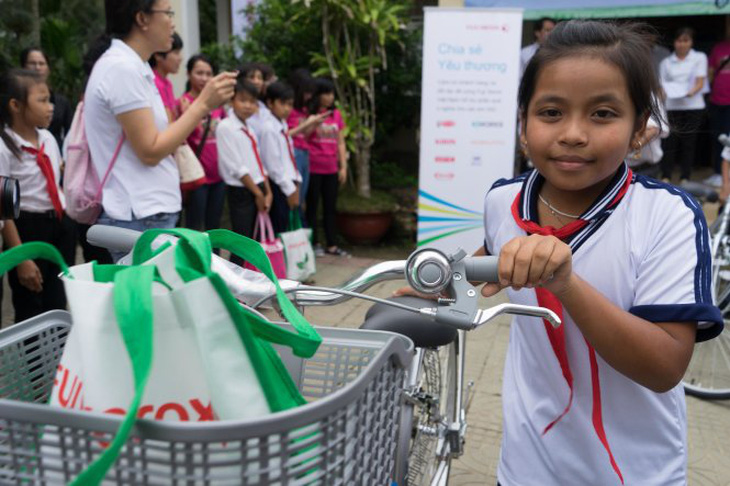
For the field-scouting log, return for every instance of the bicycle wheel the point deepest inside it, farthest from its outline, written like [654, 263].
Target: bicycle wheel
[429, 459]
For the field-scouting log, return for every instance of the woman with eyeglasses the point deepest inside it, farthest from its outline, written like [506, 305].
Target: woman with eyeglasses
[123, 106]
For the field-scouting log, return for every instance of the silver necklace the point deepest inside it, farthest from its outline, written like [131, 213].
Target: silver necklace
[555, 211]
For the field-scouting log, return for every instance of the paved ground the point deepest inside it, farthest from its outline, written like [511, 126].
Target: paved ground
[709, 422]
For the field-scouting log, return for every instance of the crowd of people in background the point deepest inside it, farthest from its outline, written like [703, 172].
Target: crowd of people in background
[269, 147]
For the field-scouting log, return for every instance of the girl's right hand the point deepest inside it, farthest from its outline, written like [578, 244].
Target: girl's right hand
[218, 90]
[261, 203]
[30, 276]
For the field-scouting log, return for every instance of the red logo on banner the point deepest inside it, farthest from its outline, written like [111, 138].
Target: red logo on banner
[445, 160]
[446, 123]
[445, 141]
[444, 176]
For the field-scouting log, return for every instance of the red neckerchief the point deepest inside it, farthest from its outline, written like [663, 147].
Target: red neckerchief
[291, 154]
[547, 299]
[255, 150]
[44, 163]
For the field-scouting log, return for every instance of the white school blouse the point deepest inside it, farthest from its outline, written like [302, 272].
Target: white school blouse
[236, 156]
[684, 72]
[119, 83]
[650, 256]
[276, 152]
[34, 196]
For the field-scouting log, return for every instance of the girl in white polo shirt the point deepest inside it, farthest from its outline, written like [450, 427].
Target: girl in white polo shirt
[683, 76]
[121, 99]
[623, 259]
[31, 155]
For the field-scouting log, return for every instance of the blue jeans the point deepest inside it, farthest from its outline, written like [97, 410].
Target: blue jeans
[302, 158]
[205, 206]
[159, 220]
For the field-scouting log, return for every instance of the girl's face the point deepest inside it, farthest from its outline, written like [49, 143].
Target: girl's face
[36, 61]
[37, 109]
[200, 75]
[256, 78]
[170, 64]
[682, 45]
[578, 134]
[159, 25]
[281, 108]
[326, 100]
[244, 105]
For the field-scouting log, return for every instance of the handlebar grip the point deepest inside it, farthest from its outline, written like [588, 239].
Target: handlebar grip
[482, 268]
[112, 237]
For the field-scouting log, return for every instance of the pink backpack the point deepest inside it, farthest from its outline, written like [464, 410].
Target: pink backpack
[81, 185]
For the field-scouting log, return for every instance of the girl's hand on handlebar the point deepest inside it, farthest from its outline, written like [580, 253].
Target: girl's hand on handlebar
[218, 90]
[410, 291]
[533, 261]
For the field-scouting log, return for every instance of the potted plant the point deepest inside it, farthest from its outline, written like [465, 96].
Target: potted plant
[363, 220]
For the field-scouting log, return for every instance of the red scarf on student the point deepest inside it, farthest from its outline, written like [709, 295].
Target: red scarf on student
[547, 299]
[44, 164]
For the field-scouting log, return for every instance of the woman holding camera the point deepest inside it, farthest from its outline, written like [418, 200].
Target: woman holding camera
[123, 103]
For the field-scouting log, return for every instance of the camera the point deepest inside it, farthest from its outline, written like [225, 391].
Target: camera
[9, 198]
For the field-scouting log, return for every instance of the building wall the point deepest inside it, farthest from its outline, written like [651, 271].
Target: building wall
[187, 24]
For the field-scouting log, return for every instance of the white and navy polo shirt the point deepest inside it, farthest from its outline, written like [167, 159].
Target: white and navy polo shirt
[650, 255]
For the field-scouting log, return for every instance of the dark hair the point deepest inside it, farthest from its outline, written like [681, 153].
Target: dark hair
[540, 23]
[689, 31]
[177, 44]
[193, 61]
[266, 70]
[626, 46]
[248, 68]
[23, 58]
[279, 90]
[303, 83]
[120, 15]
[245, 86]
[14, 86]
[321, 86]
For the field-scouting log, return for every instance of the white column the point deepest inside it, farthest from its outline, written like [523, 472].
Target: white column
[187, 24]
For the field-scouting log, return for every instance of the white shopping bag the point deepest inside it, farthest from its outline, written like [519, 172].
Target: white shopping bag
[164, 339]
[298, 251]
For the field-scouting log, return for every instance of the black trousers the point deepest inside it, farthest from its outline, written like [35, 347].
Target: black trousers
[719, 124]
[279, 210]
[681, 145]
[326, 186]
[242, 209]
[61, 234]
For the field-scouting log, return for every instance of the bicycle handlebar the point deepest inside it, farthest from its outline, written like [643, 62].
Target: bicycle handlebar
[427, 270]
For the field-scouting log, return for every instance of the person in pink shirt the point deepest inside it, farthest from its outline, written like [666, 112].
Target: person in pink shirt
[327, 165]
[719, 72]
[205, 204]
[163, 64]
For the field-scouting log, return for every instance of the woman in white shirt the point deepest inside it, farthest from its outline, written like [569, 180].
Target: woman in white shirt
[121, 100]
[683, 76]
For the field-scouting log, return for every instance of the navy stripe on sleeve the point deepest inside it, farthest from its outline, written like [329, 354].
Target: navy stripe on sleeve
[684, 313]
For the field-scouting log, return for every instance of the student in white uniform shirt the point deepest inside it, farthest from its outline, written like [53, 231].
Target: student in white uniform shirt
[240, 165]
[31, 155]
[277, 152]
[543, 27]
[121, 99]
[252, 73]
[683, 76]
[623, 259]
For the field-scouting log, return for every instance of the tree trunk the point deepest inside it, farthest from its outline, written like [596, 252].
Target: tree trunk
[35, 32]
[362, 162]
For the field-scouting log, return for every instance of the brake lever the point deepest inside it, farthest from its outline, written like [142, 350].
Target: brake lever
[486, 315]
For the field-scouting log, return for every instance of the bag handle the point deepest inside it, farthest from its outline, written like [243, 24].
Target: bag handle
[305, 341]
[258, 232]
[134, 312]
[31, 251]
[192, 251]
[295, 220]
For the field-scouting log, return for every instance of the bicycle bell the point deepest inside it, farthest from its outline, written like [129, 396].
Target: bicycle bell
[428, 271]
